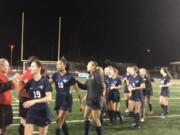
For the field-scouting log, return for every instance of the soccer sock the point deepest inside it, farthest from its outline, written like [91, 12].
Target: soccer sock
[86, 127]
[101, 119]
[21, 129]
[165, 109]
[150, 107]
[120, 116]
[132, 114]
[65, 128]
[142, 113]
[110, 116]
[58, 131]
[114, 115]
[137, 119]
[126, 103]
[162, 106]
[99, 130]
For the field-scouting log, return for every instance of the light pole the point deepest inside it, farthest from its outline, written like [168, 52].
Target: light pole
[11, 47]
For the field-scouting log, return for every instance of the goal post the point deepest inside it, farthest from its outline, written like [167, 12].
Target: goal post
[22, 39]
[50, 65]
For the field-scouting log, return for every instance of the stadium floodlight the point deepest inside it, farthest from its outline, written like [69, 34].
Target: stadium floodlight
[11, 58]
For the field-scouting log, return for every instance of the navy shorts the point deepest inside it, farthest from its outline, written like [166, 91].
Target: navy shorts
[39, 115]
[149, 92]
[22, 110]
[6, 116]
[164, 92]
[110, 95]
[136, 96]
[116, 96]
[94, 104]
[64, 102]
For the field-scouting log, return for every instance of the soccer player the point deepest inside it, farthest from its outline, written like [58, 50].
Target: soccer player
[115, 85]
[39, 89]
[147, 92]
[63, 81]
[135, 87]
[126, 81]
[164, 95]
[5, 97]
[95, 86]
[23, 94]
[106, 93]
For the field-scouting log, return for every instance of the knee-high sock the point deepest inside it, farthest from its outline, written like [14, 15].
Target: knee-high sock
[58, 131]
[65, 128]
[99, 130]
[86, 127]
[150, 107]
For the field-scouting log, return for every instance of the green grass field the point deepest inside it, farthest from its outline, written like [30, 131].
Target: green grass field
[153, 125]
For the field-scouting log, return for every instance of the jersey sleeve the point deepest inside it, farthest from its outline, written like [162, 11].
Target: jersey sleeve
[47, 85]
[119, 82]
[72, 80]
[28, 85]
[54, 76]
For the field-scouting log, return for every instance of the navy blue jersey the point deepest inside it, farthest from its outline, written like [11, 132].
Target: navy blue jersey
[136, 81]
[114, 82]
[63, 83]
[129, 78]
[38, 89]
[106, 79]
[147, 82]
[164, 81]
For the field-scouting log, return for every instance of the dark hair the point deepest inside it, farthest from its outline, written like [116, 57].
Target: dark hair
[40, 65]
[66, 63]
[31, 59]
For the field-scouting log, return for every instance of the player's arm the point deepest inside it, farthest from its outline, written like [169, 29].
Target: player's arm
[5, 87]
[45, 99]
[142, 86]
[166, 85]
[81, 85]
[77, 92]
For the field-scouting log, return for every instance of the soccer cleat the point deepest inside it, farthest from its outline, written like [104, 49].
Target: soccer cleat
[142, 120]
[136, 126]
[126, 111]
[162, 116]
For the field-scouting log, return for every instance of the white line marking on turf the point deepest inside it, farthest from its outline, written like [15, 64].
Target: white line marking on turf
[15, 112]
[15, 104]
[80, 121]
[16, 118]
[175, 98]
[15, 108]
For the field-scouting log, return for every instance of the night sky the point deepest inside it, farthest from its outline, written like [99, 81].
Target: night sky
[119, 30]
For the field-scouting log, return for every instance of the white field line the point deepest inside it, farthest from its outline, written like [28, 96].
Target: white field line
[15, 108]
[80, 121]
[175, 98]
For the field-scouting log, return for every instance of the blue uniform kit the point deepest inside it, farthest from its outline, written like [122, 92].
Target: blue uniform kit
[128, 77]
[148, 90]
[63, 92]
[164, 90]
[38, 114]
[114, 94]
[136, 82]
